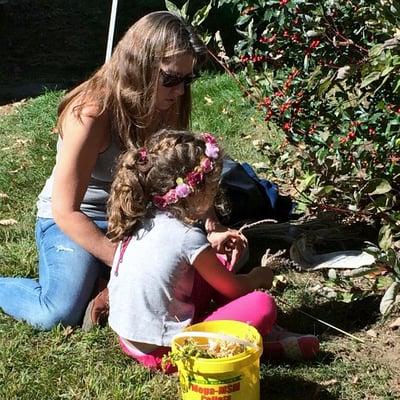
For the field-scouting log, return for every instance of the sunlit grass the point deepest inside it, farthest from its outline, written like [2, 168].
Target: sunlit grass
[71, 364]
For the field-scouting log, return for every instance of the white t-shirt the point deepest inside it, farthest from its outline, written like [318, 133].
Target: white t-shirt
[150, 290]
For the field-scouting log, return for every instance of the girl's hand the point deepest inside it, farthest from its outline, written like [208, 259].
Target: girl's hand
[262, 277]
[228, 241]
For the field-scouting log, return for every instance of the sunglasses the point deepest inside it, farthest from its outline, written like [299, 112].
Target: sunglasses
[171, 80]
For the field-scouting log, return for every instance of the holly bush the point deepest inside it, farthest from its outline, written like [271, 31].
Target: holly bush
[327, 75]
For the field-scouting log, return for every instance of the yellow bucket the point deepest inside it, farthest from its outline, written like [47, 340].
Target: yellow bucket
[229, 378]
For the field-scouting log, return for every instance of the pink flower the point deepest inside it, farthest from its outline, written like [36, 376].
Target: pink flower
[212, 150]
[194, 178]
[206, 165]
[159, 201]
[171, 197]
[208, 138]
[182, 190]
[142, 155]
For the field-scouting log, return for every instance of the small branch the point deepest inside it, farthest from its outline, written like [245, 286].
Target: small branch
[231, 74]
[253, 224]
[325, 323]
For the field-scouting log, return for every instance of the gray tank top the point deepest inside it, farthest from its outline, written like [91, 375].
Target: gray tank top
[94, 202]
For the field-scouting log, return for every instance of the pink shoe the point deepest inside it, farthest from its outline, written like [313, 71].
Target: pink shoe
[281, 344]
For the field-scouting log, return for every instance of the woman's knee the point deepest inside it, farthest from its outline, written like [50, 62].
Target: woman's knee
[50, 318]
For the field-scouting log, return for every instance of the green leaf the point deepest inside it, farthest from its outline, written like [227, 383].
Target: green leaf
[389, 298]
[396, 89]
[375, 51]
[324, 86]
[307, 181]
[171, 7]
[385, 237]
[200, 15]
[372, 77]
[377, 186]
[306, 63]
[324, 190]
[184, 9]
[387, 70]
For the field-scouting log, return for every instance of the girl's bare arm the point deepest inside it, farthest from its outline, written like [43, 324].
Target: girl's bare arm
[228, 283]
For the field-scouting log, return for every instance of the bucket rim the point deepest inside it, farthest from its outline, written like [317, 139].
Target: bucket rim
[222, 364]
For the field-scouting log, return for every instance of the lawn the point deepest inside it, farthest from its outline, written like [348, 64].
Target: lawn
[67, 363]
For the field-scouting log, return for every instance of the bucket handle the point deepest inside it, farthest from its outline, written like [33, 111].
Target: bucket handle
[214, 335]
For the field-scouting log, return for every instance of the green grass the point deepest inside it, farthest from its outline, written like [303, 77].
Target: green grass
[67, 363]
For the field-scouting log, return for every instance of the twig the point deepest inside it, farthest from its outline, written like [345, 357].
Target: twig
[325, 323]
[253, 224]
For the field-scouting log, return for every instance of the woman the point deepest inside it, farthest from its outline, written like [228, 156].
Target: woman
[143, 87]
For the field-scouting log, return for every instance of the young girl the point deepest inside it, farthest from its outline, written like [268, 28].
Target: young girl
[159, 193]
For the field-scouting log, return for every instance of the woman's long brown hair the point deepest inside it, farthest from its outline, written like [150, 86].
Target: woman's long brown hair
[125, 86]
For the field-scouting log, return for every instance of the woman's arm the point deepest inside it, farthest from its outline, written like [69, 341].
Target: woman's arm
[228, 283]
[83, 140]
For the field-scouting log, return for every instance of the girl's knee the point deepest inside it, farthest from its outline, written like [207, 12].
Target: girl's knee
[265, 308]
[264, 300]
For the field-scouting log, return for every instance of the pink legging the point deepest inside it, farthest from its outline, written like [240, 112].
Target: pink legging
[256, 308]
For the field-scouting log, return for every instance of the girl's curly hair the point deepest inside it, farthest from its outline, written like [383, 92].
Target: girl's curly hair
[170, 154]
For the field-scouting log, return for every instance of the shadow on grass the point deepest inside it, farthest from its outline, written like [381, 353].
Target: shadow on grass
[278, 387]
[350, 317]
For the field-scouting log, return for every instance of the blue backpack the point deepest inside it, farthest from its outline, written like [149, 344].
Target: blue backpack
[251, 198]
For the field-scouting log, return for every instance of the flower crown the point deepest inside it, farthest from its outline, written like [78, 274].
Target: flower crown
[186, 186]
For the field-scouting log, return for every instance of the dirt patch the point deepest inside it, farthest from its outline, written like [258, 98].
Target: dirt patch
[11, 107]
[385, 346]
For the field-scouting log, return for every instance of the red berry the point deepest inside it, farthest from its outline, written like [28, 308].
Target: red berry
[287, 126]
[315, 43]
[351, 135]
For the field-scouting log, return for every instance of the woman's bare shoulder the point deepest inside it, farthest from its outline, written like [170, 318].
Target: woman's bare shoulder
[88, 118]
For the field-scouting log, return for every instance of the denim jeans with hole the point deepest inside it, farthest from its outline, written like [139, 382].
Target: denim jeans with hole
[67, 275]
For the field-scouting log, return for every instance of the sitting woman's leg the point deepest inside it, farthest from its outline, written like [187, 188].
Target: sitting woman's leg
[67, 274]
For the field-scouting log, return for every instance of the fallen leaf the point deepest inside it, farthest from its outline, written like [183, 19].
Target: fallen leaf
[258, 144]
[280, 282]
[246, 137]
[16, 170]
[7, 222]
[372, 333]
[329, 383]
[68, 331]
[260, 166]
[355, 380]
[208, 100]
[395, 324]
[22, 141]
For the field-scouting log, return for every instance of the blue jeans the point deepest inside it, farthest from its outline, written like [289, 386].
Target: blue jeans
[67, 275]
